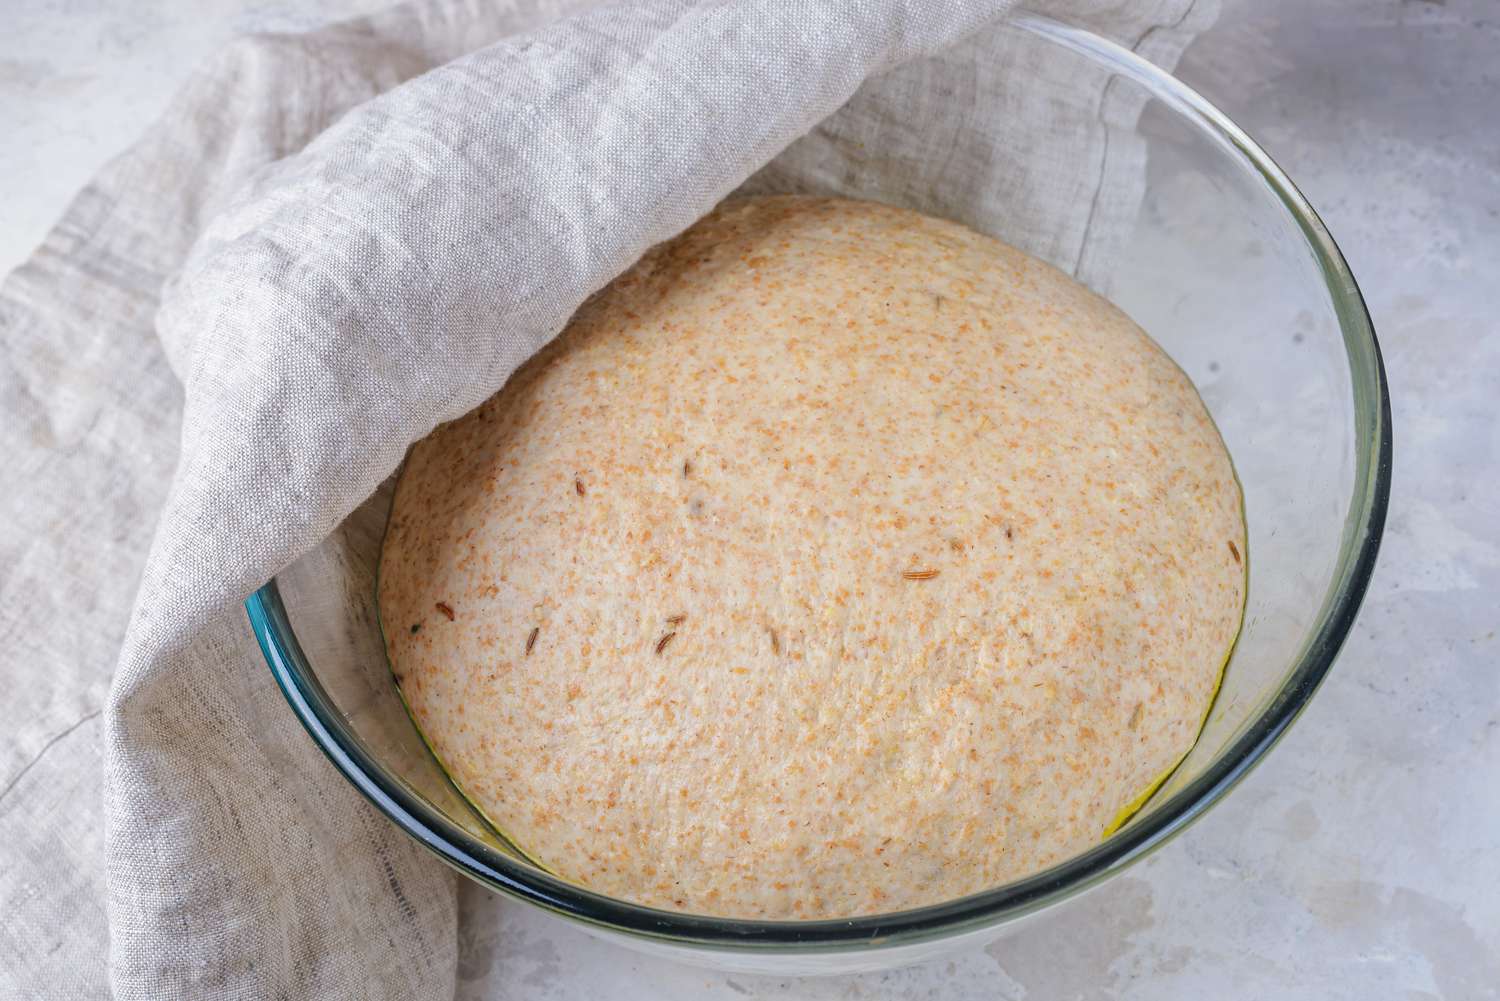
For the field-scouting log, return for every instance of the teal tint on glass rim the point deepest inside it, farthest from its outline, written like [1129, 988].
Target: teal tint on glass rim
[1229, 269]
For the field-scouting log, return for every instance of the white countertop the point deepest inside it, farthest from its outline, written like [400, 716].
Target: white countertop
[1362, 859]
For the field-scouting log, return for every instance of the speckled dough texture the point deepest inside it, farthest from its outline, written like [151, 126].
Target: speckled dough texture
[834, 560]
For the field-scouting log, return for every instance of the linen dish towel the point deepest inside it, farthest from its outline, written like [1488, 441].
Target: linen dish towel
[328, 244]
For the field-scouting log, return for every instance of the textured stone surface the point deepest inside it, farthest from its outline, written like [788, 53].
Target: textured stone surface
[1360, 860]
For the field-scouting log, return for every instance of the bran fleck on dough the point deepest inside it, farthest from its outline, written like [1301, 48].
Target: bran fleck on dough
[834, 560]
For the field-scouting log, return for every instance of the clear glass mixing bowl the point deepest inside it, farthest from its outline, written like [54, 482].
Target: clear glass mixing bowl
[1232, 272]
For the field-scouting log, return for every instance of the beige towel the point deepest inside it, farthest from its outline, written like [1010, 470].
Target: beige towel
[331, 284]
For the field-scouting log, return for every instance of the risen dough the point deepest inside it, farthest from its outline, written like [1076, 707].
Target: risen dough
[835, 560]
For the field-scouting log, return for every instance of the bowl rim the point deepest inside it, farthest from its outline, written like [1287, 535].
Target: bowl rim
[1360, 545]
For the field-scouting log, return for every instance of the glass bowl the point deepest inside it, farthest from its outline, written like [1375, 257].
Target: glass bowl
[1234, 275]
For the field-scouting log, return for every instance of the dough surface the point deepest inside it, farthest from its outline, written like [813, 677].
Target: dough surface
[835, 560]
